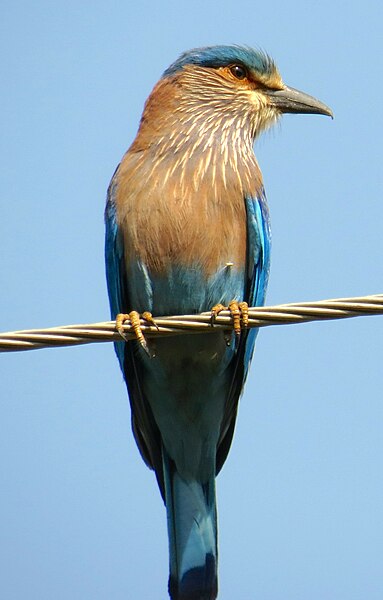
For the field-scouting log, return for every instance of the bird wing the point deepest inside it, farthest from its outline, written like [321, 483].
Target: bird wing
[145, 430]
[258, 264]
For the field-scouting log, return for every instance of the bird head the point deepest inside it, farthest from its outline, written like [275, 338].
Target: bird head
[240, 82]
[224, 85]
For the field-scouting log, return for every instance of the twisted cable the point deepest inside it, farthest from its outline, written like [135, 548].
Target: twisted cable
[282, 314]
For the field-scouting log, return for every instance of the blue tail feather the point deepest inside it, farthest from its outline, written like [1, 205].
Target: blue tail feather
[192, 527]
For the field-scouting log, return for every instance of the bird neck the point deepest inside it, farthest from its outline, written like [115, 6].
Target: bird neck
[196, 141]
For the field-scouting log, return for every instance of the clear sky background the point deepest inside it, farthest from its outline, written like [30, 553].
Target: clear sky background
[300, 497]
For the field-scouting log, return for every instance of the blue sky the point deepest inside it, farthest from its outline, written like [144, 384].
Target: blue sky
[300, 497]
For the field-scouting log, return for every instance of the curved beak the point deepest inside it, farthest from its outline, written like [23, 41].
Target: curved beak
[290, 100]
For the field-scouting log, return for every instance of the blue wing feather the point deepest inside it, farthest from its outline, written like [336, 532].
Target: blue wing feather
[144, 427]
[114, 253]
[258, 265]
[259, 241]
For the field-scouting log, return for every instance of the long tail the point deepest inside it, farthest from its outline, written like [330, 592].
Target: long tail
[192, 529]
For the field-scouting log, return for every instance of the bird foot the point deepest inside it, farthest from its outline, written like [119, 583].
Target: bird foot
[239, 312]
[134, 318]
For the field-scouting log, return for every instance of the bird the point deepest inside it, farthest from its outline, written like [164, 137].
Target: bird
[187, 231]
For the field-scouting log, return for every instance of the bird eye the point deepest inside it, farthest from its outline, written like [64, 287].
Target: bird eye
[238, 71]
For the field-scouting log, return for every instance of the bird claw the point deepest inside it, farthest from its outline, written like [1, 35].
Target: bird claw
[239, 312]
[148, 317]
[217, 308]
[134, 318]
[244, 310]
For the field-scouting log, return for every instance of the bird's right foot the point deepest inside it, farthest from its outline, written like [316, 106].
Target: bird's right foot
[134, 319]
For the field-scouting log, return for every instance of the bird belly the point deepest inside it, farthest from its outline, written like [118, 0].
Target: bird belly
[183, 289]
[184, 250]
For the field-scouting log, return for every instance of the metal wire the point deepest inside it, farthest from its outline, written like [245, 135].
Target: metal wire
[283, 314]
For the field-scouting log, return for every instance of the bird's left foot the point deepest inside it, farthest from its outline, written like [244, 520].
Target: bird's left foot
[239, 312]
[134, 319]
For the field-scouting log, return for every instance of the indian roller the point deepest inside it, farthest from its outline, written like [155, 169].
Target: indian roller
[187, 231]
